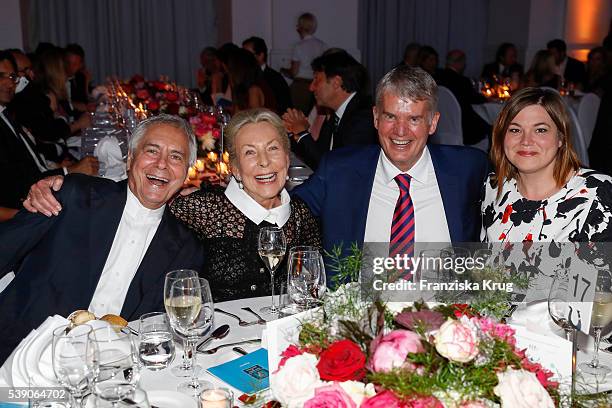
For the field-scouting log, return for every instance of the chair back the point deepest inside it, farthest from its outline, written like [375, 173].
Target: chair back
[449, 126]
[587, 115]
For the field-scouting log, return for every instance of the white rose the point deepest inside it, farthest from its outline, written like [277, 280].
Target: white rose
[296, 381]
[521, 389]
[457, 341]
[358, 390]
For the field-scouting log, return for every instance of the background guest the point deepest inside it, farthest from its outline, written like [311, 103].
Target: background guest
[539, 191]
[411, 53]
[339, 85]
[257, 46]
[542, 71]
[304, 52]
[567, 67]
[505, 58]
[474, 127]
[427, 59]
[79, 78]
[210, 75]
[249, 89]
[596, 70]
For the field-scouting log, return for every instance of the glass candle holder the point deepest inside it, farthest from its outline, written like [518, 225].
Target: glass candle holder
[216, 397]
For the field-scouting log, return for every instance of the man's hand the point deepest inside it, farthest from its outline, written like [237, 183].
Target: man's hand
[83, 122]
[41, 199]
[88, 165]
[295, 121]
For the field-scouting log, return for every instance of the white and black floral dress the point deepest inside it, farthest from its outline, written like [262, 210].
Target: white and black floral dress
[579, 212]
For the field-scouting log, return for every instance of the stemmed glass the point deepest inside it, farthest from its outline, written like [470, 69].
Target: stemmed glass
[601, 316]
[271, 246]
[306, 281]
[117, 363]
[190, 307]
[74, 360]
[558, 305]
[184, 369]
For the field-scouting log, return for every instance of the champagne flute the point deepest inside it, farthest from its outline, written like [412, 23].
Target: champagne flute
[117, 362]
[190, 307]
[184, 369]
[271, 246]
[601, 316]
[74, 361]
[156, 347]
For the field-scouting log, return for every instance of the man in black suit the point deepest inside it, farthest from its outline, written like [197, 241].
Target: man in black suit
[112, 243]
[451, 77]
[257, 46]
[338, 84]
[21, 165]
[569, 68]
[506, 62]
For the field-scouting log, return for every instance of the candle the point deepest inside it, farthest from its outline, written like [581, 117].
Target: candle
[199, 165]
[223, 168]
[192, 173]
[212, 156]
[226, 157]
[215, 398]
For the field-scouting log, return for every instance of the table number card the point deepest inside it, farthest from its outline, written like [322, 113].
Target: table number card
[553, 352]
[581, 295]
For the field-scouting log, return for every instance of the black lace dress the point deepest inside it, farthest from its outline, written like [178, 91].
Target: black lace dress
[232, 263]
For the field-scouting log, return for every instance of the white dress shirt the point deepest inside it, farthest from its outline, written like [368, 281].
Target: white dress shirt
[429, 217]
[253, 210]
[135, 232]
[309, 48]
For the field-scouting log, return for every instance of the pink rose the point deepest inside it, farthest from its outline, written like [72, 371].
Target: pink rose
[390, 351]
[330, 396]
[424, 402]
[456, 342]
[521, 389]
[385, 399]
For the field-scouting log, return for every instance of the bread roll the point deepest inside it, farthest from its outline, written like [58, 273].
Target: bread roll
[115, 320]
[79, 317]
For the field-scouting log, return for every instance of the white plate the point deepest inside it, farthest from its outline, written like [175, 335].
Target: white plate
[170, 399]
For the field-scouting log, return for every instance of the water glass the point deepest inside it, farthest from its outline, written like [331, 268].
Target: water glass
[117, 359]
[306, 280]
[156, 347]
[74, 360]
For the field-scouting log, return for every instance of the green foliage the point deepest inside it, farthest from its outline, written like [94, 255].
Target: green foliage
[346, 268]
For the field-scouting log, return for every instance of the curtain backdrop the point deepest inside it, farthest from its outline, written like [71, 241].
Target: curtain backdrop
[385, 27]
[122, 38]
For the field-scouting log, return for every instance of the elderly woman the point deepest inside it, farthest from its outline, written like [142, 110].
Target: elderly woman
[228, 221]
[539, 191]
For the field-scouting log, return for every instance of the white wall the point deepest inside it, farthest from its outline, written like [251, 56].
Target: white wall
[546, 22]
[274, 21]
[10, 25]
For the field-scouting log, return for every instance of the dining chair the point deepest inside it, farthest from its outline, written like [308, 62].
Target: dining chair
[587, 115]
[449, 129]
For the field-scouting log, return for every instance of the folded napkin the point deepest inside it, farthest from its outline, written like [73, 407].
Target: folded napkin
[109, 154]
[30, 364]
[535, 318]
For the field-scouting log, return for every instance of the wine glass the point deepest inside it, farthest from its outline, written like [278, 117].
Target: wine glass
[305, 278]
[271, 246]
[117, 363]
[156, 347]
[558, 305]
[184, 369]
[601, 316]
[74, 361]
[190, 307]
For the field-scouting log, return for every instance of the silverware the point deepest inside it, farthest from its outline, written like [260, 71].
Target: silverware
[132, 331]
[260, 320]
[215, 349]
[240, 321]
[219, 333]
[240, 350]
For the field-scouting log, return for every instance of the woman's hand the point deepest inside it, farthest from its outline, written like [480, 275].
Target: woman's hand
[40, 197]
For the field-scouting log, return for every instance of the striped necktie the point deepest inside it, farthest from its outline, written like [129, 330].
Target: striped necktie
[402, 227]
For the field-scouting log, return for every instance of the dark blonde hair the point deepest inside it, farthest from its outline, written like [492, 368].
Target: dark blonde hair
[566, 160]
[252, 116]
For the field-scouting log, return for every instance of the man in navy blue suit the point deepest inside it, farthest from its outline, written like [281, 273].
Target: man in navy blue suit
[354, 190]
[111, 245]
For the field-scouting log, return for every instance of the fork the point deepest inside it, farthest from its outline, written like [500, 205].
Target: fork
[215, 349]
[260, 319]
[240, 321]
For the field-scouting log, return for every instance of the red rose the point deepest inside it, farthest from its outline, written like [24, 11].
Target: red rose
[153, 105]
[171, 96]
[289, 352]
[342, 361]
[216, 133]
[142, 94]
[209, 119]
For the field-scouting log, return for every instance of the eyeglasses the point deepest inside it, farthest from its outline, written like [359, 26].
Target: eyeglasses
[12, 76]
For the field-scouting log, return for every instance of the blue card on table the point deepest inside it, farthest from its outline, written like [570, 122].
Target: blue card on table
[248, 373]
